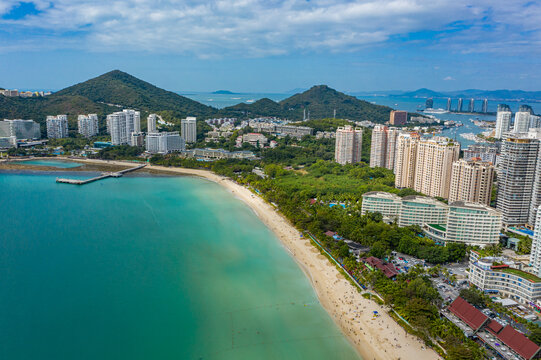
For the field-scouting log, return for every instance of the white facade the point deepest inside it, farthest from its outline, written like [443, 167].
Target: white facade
[188, 129]
[420, 210]
[164, 142]
[535, 254]
[496, 274]
[21, 129]
[405, 159]
[151, 123]
[522, 121]
[122, 124]
[385, 203]
[473, 224]
[88, 125]
[348, 145]
[503, 122]
[471, 181]
[57, 126]
[378, 146]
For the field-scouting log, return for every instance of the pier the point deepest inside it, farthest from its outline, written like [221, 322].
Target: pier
[101, 177]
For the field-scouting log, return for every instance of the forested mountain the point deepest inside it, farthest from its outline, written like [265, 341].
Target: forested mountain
[320, 101]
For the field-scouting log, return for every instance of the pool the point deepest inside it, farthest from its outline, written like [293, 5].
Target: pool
[51, 163]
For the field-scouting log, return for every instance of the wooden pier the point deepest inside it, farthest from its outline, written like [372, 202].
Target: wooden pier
[102, 176]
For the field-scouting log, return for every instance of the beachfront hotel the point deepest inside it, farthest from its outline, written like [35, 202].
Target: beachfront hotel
[462, 222]
[20, 129]
[468, 223]
[164, 142]
[348, 145]
[122, 124]
[496, 275]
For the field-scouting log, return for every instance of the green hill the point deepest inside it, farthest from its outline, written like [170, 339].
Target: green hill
[320, 101]
[119, 88]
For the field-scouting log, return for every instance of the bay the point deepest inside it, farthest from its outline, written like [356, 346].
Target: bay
[149, 268]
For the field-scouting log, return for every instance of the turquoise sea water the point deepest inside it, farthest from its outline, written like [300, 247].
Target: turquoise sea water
[51, 163]
[149, 268]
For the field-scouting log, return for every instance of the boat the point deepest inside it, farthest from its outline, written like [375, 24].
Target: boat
[435, 111]
[250, 101]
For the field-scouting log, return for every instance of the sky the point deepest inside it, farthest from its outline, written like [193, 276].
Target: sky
[274, 45]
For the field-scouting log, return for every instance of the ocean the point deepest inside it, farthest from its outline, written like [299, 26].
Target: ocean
[410, 104]
[149, 267]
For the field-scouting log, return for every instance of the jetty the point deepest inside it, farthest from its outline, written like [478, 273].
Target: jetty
[101, 177]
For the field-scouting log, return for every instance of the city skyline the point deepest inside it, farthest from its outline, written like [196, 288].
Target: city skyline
[256, 46]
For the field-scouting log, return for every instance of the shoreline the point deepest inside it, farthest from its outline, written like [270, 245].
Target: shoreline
[379, 338]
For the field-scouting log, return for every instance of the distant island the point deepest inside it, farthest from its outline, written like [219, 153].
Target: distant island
[224, 92]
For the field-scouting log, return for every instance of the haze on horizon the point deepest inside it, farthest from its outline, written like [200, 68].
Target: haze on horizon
[273, 46]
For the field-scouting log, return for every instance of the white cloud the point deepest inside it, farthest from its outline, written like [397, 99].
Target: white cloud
[448, 78]
[251, 28]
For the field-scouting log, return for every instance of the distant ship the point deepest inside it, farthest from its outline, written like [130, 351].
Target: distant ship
[250, 101]
[435, 111]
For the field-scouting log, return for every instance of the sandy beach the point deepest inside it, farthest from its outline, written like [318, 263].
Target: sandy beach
[374, 338]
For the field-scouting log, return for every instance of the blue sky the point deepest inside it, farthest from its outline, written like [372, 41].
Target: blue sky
[274, 45]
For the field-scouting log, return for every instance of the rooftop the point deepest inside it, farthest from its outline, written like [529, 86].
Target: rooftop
[383, 194]
[466, 312]
[438, 227]
[423, 200]
[522, 274]
[518, 342]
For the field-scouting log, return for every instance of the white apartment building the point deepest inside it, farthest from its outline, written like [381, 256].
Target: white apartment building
[471, 181]
[20, 129]
[503, 121]
[164, 142]
[188, 129]
[383, 146]
[420, 210]
[434, 164]
[498, 275]
[406, 159]
[348, 146]
[522, 121]
[385, 203]
[57, 126]
[254, 139]
[87, 125]
[151, 123]
[122, 124]
[535, 253]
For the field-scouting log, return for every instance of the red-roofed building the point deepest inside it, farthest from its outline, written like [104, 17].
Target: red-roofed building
[494, 327]
[388, 269]
[518, 342]
[466, 312]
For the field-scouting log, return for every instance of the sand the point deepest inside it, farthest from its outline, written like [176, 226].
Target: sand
[374, 338]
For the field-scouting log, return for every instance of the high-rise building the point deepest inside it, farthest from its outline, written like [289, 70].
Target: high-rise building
[503, 120]
[392, 136]
[449, 102]
[434, 164]
[534, 122]
[516, 178]
[87, 125]
[535, 253]
[471, 107]
[122, 124]
[348, 146]
[429, 104]
[188, 129]
[525, 108]
[57, 126]
[522, 122]
[485, 152]
[485, 105]
[164, 142]
[405, 159]
[151, 123]
[459, 105]
[378, 146]
[398, 117]
[20, 129]
[471, 181]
